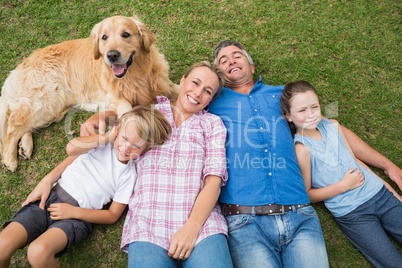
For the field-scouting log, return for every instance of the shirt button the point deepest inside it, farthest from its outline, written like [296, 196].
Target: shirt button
[250, 96]
[261, 128]
[255, 110]
[270, 174]
[266, 150]
[273, 96]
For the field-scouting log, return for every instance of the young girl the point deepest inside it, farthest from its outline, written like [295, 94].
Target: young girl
[103, 171]
[364, 206]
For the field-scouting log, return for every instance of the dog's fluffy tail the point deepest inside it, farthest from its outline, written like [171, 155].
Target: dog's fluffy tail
[3, 121]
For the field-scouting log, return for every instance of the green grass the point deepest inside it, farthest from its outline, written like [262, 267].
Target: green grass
[349, 50]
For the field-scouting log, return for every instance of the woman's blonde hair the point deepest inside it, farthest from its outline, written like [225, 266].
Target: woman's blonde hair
[150, 124]
[213, 68]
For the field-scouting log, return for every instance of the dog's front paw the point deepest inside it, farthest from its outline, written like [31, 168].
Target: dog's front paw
[24, 154]
[11, 166]
[26, 146]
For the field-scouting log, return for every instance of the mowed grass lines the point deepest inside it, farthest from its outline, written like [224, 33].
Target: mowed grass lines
[349, 50]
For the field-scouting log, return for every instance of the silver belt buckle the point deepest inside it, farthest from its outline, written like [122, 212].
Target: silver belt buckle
[281, 212]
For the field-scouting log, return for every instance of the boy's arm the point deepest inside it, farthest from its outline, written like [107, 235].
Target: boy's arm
[62, 211]
[42, 190]
[81, 145]
[370, 156]
[183, 241]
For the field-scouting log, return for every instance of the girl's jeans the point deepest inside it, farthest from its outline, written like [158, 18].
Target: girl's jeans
[366, 228]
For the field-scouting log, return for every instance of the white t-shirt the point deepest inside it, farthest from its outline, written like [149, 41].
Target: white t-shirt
[97, 177]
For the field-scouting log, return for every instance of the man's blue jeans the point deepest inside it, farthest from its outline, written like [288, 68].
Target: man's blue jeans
[211, 252]
[366, 228]
[293, 239]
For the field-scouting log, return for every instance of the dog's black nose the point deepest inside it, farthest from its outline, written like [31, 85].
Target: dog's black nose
[113, 55]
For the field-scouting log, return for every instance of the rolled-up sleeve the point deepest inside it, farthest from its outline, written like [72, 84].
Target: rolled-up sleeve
[215, 152]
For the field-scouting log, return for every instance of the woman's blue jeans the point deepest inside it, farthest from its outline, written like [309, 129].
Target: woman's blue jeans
[367, 227]
[211, 252]
[293, 239]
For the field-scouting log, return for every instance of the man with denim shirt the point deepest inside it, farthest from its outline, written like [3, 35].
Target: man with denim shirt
[265, 202]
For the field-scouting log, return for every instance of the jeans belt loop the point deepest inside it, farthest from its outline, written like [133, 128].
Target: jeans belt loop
[254, 210]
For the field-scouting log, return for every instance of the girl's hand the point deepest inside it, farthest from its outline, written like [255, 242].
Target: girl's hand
[352, 179]
[61, 211]
[183, 242]
[395, 174]
[398, 196]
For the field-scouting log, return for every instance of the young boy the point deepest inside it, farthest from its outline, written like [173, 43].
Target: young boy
[103, 171]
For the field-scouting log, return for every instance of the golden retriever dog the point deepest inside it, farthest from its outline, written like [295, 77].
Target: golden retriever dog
[117, 66]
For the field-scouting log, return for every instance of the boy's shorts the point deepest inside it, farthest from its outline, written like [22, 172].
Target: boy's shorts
[37, 221]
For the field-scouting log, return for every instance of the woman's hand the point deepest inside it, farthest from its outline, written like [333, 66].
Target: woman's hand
[61, 211]
[183, 242]
[352, 179]
[112, 134]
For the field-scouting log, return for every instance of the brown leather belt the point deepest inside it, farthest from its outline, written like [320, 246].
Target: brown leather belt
[271, 209]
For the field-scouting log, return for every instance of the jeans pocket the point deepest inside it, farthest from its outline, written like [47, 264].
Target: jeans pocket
[236, 222]
[307, 211]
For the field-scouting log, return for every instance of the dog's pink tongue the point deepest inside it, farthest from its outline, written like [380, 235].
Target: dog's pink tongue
[118, 68]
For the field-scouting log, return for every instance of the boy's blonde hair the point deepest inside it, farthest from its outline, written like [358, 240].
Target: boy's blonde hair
[150, 124]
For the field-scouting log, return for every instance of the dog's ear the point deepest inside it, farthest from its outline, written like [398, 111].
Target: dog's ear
[94, 37]
[147, 37]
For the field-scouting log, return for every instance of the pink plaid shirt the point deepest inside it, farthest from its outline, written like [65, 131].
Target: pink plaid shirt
[170, 177]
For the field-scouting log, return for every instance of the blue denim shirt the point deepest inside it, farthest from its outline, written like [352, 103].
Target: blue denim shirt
[262, 163]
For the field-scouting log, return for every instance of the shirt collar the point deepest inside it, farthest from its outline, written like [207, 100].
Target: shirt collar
[257, 85]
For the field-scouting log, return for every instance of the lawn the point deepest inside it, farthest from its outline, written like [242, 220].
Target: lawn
[349, 50]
